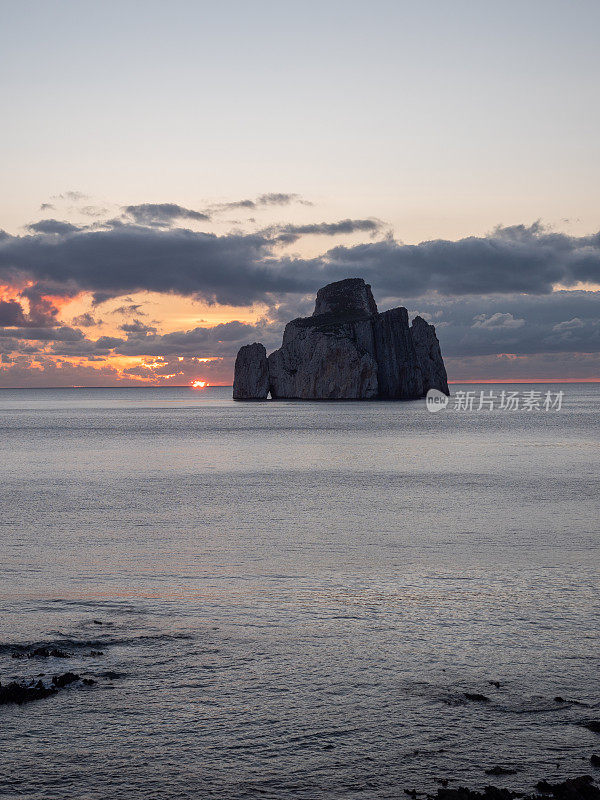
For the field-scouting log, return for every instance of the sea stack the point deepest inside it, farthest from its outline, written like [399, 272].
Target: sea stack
[346, 350]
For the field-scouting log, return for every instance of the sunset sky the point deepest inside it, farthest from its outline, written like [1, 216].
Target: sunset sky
[180, 178]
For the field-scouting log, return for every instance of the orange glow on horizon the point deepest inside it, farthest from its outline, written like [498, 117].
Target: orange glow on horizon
[526, 380]
[199, 384]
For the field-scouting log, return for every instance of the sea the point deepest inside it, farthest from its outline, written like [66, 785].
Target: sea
[298, 599]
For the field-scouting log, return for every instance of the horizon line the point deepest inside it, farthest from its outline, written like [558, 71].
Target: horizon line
[230, 385]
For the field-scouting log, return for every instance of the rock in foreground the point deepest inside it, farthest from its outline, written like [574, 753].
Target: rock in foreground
[581, 788]
[346, 350]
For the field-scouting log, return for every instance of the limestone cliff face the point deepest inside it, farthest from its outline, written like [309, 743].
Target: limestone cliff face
[341, 297]
[429, 356]
[321, 362]
[399, 374]
[251, 377]
[345, 351]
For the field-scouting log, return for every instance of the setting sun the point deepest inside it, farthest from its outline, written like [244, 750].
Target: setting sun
[199, 384]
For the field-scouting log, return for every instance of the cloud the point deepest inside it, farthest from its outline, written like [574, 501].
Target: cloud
[109, 263]
[487, 295]
[86, 320]
[568, 325]
[46, 371]
[71, 195]
[270, 199]
[291, 233]
[52, 226]
[64, 333]
[11, 313]
[162, 214]
[557, 328]
[554, 323]
[241, 269]
[497, 320]
[220, 340]
[130, 308]
[137, 326]
[280, 199]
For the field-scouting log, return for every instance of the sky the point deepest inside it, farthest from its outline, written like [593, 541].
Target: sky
[180, 178]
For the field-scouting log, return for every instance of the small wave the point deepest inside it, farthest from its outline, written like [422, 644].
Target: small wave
[69, 643]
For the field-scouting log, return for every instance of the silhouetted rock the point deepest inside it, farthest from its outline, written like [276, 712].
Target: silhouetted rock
[251, 374]
[60, 681]
[320, 359]
[592, 725]
[476, 697]
[345, 351]
[341, 297]
[46, 652]
[398, 372]
[581, 788]
[429, 356]
[19, 693]
[595, 761]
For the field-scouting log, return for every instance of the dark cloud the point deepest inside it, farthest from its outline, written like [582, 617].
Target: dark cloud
[42, 310]
[11, 313]
[518, 324]
[52, 226]
[46, 207]
[291, 233]
[239, 269]
[280, 199]
[228, 269]
[220, 340]
[162, 214]
[64, 333]
[137, 326]
[271, 199]
[517, 259]
[86, 320]
[130, 308]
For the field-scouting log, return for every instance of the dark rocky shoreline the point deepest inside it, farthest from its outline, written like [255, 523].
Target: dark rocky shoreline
[582, 787]
[28, 690]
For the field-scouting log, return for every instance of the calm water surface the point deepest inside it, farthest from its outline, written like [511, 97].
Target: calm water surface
[297, 595]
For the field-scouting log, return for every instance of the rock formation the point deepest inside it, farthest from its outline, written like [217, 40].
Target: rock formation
[345, 351]
[251, 377]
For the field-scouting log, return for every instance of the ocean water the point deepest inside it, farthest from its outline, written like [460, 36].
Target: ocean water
[296, 596]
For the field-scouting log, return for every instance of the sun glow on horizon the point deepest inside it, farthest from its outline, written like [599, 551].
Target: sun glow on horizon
[199, 384]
